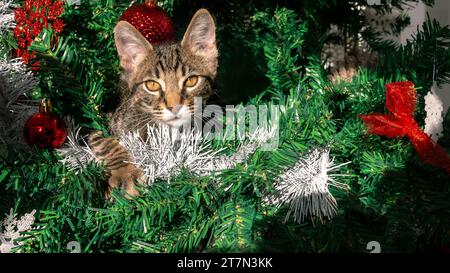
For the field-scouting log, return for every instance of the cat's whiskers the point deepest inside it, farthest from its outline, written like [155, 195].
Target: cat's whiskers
[142, 123]
[135, 118]
[127, 101]
[149, 122]
[137, 126]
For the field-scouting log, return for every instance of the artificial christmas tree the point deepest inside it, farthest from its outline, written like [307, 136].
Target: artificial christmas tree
[231, 195]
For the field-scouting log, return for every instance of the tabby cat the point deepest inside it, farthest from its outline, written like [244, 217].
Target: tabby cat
[157, 86]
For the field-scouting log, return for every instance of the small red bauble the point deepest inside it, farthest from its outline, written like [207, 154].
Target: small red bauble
[44, 129]
[151, 21]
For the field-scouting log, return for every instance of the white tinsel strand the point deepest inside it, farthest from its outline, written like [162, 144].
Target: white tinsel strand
[305, 187]
[6, 25]
[255, 140]
[12, 229]
[76, 153]
[166, 151]
[15, 80]
[6, 15]
[434, 107]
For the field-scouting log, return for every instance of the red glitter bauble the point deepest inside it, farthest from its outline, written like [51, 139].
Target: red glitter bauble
[45, 130]
[152, 21]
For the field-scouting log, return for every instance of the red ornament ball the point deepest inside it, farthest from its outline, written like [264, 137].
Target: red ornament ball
[45, 130]
[151, 21]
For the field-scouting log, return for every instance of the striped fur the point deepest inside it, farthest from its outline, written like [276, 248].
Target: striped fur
[108, 151]
[168, 65]
[115, 158]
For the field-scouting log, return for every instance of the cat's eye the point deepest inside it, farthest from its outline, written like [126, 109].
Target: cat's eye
[152, 86]
[191, 81]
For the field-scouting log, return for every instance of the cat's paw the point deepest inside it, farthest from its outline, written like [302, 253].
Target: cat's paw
[125, 178]
[114, 157]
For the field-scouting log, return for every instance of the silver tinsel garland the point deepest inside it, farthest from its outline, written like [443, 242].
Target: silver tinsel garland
[6, 25]
[167, 151]
[15, 81]
[76, 154]
[304, 188]
[6, 15]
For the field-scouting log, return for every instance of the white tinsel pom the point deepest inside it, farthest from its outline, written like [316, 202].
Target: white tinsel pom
[12, 228]
[75, 151]
[15, 80]
[6, 15]
[435, 115]
[305, 187]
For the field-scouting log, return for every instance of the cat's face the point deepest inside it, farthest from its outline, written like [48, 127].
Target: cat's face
[163, 80]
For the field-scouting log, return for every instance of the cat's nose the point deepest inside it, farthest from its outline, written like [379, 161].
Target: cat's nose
[175, 109]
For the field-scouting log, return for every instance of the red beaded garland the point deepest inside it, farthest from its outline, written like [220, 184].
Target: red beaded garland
[152, 21]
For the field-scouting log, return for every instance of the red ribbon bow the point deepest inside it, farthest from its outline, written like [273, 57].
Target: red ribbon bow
[401, 102]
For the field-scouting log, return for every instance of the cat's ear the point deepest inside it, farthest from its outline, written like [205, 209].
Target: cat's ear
[200, 38]
[131, 45]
